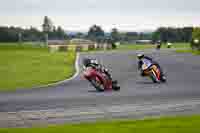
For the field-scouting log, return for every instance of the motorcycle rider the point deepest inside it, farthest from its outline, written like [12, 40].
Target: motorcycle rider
[158, 45]
[87, 62]
[149, 62]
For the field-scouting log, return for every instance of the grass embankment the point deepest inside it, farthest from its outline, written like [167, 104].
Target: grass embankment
[150, 46]
[188, 124]
[28, 66]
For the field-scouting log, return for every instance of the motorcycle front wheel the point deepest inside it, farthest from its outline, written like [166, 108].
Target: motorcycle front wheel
[97, 84]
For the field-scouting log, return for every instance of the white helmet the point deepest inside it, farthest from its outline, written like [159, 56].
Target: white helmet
[140, 56]
[94, 61]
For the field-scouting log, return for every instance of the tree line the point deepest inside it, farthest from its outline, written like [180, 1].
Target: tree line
[170, 34]
[186, 34]
[163, 34]
[95, 33]
[14, 34]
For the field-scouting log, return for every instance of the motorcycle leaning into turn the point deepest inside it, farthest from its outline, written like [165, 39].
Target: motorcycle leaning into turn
[100, 79]
[154, 72]
[151, 68]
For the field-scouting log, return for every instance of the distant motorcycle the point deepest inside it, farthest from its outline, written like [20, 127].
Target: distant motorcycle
[154, 73]
[100, 80]
[158, 46]
[169, 45]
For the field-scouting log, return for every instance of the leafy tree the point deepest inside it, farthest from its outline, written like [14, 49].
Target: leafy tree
[47, 25]
[9, 34]
[163, 34]
[173, 34]
[57, 34]
[131, 36]
[60, 33]
[14, 34]
[187, 34]
[96, 33]
[144, 36]
[115, 35]
[32, 34]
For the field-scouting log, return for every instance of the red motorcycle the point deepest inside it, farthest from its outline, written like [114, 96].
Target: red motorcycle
[100, 80]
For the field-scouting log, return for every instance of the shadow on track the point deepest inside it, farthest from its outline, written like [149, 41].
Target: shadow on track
[146, 82]
[94, 91]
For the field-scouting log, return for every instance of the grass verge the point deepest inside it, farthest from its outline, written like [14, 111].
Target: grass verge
[195, 52]
[128, 47]
[150, 46]
[135, 46]
[186, 124]
[26, 66]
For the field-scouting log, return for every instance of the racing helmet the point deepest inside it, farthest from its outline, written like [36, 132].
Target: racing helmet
[140, 56]
[88, 61]
[94, 61]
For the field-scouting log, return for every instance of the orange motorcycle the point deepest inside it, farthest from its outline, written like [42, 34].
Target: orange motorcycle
[154, 73]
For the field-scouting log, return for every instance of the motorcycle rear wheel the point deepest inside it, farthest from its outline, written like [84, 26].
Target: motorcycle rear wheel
[115, 86]
[163, 79]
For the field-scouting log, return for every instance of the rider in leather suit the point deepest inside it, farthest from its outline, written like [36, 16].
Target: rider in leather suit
[87, 62]
[147, 60]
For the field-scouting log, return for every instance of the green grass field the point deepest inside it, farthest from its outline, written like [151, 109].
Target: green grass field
[29, 66]
[150, 46]
[187, 124]
[135, 46]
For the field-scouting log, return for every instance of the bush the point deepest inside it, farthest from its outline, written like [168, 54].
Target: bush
[195, 43]
[114, 46]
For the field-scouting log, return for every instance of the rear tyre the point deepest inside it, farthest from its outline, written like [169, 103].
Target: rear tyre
[116, 88]
[97, 85]
[115, 85]
[163, 79]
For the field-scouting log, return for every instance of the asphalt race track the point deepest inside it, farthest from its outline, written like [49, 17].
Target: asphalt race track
[76, 100]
